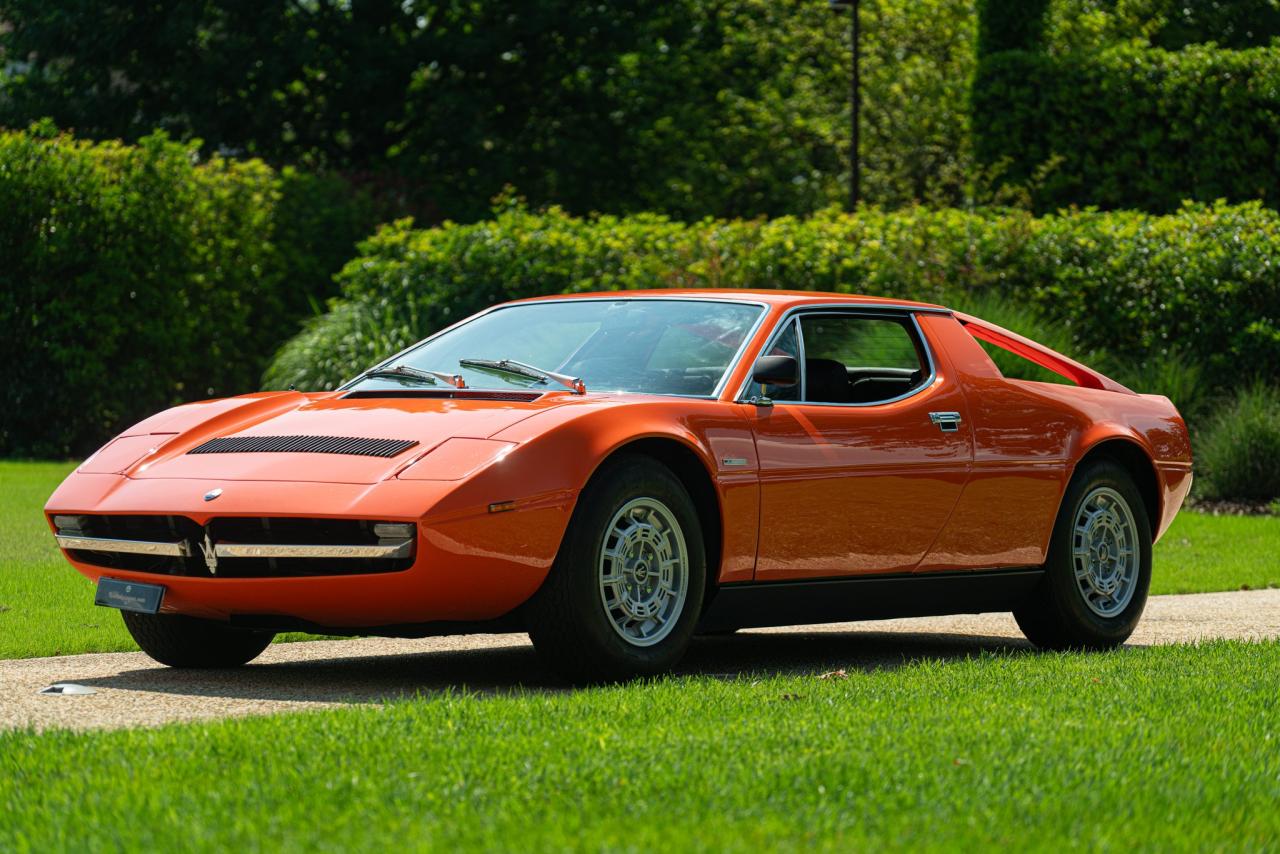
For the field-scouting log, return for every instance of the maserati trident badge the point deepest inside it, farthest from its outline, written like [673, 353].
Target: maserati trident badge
[212, 494]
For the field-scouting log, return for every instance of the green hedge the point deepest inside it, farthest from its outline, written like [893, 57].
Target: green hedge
[1132, 127]
[1156, 296]
[134, 277]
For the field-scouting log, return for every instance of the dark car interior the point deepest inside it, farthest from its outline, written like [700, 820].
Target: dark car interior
[830, 381]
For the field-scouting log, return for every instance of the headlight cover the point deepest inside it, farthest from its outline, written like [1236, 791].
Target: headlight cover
[457, 459]
[123, 452]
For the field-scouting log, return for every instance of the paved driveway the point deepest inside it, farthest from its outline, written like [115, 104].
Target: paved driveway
[134, 691]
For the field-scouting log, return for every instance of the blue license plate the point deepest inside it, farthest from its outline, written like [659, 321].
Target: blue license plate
[129, 595]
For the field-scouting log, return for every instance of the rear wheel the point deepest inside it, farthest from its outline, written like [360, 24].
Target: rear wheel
[181, 641]
[1098, 568]
[626, 590]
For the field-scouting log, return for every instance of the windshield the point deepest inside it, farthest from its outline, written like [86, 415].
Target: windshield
[646, 346]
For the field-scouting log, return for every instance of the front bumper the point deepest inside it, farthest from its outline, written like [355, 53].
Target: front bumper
[468, 564]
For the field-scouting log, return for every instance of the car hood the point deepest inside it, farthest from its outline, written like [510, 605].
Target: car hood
[415, 425]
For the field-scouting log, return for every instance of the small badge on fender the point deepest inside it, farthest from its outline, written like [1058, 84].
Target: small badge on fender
[212, 494]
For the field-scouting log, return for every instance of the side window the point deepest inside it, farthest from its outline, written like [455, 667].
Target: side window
[859, 359]
[786, 344]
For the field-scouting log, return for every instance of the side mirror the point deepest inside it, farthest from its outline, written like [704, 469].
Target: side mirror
[776, 370]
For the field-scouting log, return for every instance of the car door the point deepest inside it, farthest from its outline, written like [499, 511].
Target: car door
[862, 463]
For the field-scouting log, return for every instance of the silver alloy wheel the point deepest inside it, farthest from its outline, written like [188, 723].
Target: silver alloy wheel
[644, 571]
[1105, 552]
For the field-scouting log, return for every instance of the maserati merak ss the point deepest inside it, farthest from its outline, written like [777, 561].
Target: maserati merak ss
[615, 473]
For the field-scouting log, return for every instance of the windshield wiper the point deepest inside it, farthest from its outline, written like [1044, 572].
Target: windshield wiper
[520, 369]
[405, 372]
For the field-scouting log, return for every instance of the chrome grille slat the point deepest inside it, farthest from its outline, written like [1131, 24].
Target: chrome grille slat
[331, 550]
[345, 445]
[138, 547]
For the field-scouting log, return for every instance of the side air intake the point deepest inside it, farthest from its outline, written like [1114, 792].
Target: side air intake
[351, 445]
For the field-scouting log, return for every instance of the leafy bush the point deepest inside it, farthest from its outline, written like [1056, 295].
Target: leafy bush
[133, 277]
[1132, 127]
[1200, 287]
[1238, 456]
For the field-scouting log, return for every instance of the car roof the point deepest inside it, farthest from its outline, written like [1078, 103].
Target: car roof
[769, 297]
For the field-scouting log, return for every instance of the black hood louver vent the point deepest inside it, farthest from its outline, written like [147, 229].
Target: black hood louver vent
[351, 445]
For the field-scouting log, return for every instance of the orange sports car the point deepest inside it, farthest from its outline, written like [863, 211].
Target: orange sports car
[614, 473]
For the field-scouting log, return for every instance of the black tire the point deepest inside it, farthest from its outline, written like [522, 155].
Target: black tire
[1056, 615]
[567, 619]
[181, 641]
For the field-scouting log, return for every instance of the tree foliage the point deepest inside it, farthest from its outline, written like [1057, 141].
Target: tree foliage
[290, 82]
[1011, 25]
[691, 107]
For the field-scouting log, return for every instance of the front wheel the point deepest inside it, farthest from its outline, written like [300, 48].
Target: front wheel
[1098, 567]
[181, 641]
[626, 590]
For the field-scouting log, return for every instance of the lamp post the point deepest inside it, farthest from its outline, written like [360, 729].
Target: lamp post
[855, 97]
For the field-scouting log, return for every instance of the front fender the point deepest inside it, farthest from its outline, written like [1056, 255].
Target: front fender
[518, 509]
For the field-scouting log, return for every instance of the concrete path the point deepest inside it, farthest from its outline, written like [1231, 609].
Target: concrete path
[131, 690]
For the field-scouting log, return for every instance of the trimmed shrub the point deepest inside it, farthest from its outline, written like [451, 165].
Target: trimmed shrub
[1201, 286]
[1238, 455]
[1132, 127]
[135, 277]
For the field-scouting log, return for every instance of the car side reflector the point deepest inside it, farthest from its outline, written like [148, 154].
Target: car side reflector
[502, 506]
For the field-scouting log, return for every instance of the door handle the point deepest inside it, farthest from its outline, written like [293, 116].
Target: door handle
[948, 422]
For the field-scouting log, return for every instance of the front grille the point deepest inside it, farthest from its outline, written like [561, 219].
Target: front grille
[305, 445]
[234, 530]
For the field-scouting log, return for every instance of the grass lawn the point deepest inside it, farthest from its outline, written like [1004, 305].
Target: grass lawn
[1201, 553]
[1167, 748]
[46, 608]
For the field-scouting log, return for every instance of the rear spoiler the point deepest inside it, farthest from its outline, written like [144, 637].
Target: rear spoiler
[1051, 360]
